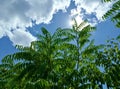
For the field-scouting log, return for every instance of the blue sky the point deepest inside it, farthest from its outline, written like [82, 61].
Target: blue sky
[21, 20]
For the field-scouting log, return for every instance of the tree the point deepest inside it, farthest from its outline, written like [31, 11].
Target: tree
[64, 60]
[109, 59]
[83, 54]
[34, 66]
[114, 12]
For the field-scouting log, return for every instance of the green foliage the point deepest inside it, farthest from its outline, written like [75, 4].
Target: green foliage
[114, 12]
[109, 59]
[107, 0]
[66, 59]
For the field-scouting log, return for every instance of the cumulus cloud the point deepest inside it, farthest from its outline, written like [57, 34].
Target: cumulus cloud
[17, 15]
[92, 10]
[20, 36]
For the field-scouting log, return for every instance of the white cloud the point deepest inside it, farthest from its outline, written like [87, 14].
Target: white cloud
[16, 14]
[20, 36]
[93, 10]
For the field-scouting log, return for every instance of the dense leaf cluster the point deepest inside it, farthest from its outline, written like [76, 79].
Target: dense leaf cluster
[67, 59]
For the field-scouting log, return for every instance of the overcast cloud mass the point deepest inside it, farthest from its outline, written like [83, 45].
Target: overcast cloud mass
[17, 15]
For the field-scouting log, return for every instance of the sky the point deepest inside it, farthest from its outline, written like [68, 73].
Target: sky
[21, 20]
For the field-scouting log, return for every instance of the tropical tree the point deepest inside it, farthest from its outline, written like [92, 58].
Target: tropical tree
[109, 60]
[35, 66]
[64, 60]
[114, 12]
[84, 54]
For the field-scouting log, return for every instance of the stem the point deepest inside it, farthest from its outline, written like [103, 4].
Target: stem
[78, 55]
[77, 40]
[108, 86]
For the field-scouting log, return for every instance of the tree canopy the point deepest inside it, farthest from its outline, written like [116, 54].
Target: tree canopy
[66, 59]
